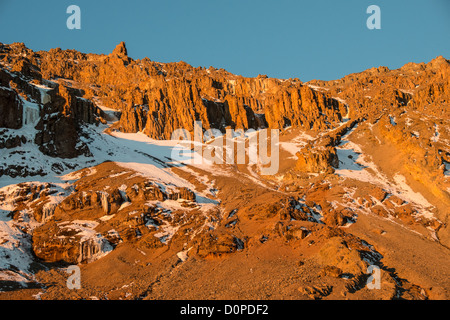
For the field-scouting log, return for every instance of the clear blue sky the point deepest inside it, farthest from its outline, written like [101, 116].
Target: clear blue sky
[321, 39]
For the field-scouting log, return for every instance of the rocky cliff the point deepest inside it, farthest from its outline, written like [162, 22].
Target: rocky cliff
[158, 98]
[363, 181]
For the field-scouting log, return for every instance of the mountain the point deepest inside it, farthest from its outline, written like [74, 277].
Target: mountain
[88, 178]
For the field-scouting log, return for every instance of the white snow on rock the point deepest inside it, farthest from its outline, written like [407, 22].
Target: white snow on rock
[43, 89]
[409, 194]
[296, 144]
[93, 245]
[183, 255]
[30, 113]
[166, 233]
[15, 249]
[354, 164]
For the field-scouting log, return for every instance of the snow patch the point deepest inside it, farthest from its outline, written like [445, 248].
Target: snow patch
[409, 194]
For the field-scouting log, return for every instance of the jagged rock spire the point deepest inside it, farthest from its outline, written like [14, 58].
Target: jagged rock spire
[120, 50]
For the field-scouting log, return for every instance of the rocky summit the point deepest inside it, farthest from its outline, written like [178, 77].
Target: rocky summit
[88, 179]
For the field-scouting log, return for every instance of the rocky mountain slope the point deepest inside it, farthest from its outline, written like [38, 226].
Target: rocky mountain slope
[87, 178]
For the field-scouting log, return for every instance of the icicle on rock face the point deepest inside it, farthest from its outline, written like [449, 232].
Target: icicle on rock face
[48, 210]
[93, 248]
[43, 91]
[31, 116]
[105, 202]
[31, 113]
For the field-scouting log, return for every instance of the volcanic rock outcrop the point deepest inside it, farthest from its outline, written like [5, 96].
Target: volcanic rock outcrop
[363, 181]
[319, 155]
[11, 109]
[159, 98]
